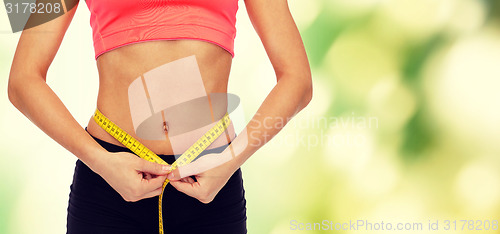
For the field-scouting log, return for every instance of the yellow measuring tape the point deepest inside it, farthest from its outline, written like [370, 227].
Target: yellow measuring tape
[142, 151]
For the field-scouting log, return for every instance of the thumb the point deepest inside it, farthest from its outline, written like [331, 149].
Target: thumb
[174, 175]
[153, 168]
[190, 169]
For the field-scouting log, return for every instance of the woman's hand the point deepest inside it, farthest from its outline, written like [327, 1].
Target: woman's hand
[211, 172]
[132, 177]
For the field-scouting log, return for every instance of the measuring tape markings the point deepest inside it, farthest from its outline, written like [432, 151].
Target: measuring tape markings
[142, 151]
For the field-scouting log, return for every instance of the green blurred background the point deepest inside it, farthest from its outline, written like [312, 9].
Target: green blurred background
[404, 125]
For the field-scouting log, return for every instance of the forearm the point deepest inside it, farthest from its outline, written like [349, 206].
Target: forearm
[285, 100]
[36, 100]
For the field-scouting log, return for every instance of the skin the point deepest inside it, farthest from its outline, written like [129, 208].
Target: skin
[30, 94]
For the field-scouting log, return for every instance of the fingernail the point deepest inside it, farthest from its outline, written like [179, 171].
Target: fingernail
[166, 167]
[170, 176]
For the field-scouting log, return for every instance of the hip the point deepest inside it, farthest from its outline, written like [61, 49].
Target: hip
[93, 201]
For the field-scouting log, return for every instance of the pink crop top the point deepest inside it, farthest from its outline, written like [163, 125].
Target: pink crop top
[116, 23]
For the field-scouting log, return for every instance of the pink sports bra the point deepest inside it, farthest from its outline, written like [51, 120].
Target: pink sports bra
[116, 23]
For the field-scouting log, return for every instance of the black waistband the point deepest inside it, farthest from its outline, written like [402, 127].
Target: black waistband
[168, 158]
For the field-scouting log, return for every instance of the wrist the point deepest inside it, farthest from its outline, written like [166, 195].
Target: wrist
[95, 158]
[232, 163]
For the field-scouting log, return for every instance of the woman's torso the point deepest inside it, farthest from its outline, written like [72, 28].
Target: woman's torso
[118, 68]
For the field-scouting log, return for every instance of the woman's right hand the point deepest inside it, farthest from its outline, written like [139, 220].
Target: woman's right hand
[30, 94]
[132, 177]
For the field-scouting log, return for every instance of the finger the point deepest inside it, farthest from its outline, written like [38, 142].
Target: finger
[154, 183]
[148, 176]
[174, 175]
[153, 168]
[190, 180]
[187, 180]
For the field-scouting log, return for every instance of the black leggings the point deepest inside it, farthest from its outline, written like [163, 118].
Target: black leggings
[95, 207]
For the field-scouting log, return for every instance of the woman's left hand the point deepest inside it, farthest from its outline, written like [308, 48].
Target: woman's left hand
[212, 171]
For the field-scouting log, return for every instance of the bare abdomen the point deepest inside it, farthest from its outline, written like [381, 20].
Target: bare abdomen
[140, 84]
